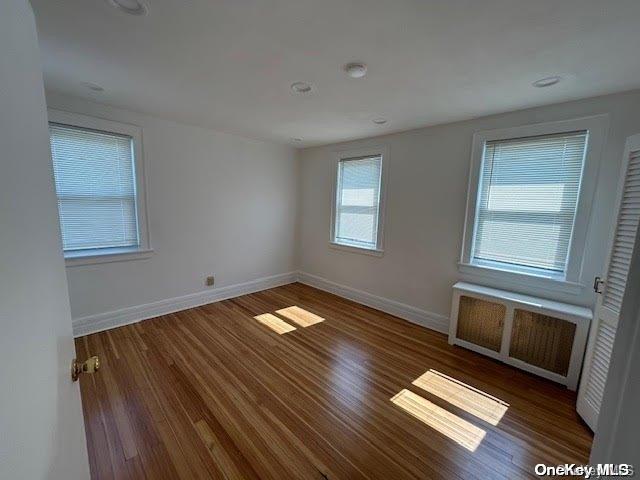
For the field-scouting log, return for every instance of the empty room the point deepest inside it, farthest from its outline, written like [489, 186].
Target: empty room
[339, 239]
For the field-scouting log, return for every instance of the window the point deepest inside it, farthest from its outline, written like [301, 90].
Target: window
[529, 198]
[96, 179]
[357, 213]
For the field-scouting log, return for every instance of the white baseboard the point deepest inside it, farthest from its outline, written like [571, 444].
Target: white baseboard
[125, 316]
[434, 321]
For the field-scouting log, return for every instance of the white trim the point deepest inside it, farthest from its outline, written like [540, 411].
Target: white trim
[597, 126]
[125, 316]
[476, 348]
[541, 372]
[92, 257]
[433, 321]
[528, 281]
[353, 249]
[376, 150]
[144, 250]
[571, 313]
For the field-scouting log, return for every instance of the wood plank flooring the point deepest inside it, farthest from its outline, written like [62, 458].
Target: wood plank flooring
[212, 392]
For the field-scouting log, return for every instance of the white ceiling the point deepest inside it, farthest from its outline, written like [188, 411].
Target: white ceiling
[228, 64]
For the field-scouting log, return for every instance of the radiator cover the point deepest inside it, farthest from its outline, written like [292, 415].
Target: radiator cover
[541, 336]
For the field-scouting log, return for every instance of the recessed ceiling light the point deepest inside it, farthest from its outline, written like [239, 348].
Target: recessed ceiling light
[93, 86]
[296, 139]
[132, 7]
[301, 87]
[379, 121]
[356, 69]
[547, 81]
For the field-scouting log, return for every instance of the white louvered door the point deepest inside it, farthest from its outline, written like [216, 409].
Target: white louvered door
[603, 330]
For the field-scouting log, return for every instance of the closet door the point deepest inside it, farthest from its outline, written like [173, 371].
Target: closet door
[612, 287]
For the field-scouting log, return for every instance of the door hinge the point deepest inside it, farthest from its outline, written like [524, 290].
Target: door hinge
[598, 283]
[91, 365]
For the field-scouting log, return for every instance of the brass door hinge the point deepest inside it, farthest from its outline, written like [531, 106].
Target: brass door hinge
[90, 365]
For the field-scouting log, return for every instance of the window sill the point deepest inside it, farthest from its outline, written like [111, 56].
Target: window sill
[353, 249]
[92, 257]
[521, 279]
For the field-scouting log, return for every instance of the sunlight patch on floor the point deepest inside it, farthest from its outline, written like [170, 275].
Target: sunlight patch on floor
[457, 429]
[470, 399]
[300, 316]
[274, 323]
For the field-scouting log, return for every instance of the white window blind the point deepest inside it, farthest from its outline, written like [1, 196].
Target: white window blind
[358, 201]
[528, 195]
[95, 184]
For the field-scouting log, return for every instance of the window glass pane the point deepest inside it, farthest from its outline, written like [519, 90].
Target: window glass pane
[357, 202]
[95, 184]
[527, 202]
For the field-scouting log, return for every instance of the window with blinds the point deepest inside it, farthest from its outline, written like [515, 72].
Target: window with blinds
[357, 211]
[527, 201]
[95, 184]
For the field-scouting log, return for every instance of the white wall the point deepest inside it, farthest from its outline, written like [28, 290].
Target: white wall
[41, 428]
[227, 205]
[217, 204]
[426, 196]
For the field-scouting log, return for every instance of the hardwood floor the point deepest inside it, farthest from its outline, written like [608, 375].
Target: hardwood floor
[321, 391]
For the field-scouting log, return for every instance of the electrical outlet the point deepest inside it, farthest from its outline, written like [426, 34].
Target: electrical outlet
[209, 281]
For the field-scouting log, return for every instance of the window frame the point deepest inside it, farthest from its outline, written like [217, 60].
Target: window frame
[114, 254]
[571, 282]
[353, 153]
